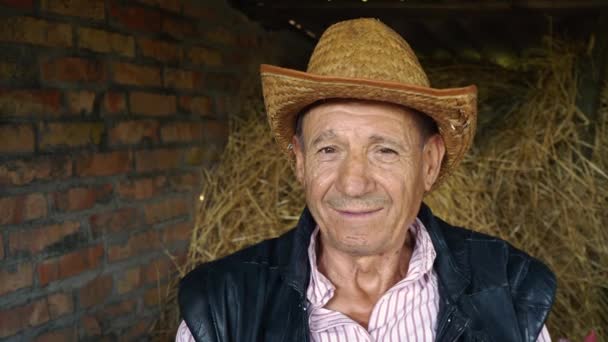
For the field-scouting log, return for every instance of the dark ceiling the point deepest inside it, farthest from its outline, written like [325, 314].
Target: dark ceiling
[442, 29]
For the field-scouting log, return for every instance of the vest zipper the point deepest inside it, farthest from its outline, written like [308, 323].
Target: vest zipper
[461, 330]
[450, 321]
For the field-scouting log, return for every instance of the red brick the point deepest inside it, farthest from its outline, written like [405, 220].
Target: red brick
[169, 5]
[196, 155]
[114, 103]
[114, 221]
[21, 172]
[18, 209]
[119, 309]
[224, 104]
[128, 281]
[136, 245]
[92, 9]
[134, 132]
[247, 40]
[65, 335]
[69, 265]
[204, 57]
[154, 296]
[20, 103]
[158, 269]
[211, 153]
[142, 188]
[81, 102]
[167, 209]
[190, 181]
[90, 325]
[197, 9]
[96, 291]
[221, 36]
[82, 198]
[181, 256]
[106, 42]
[72, 69]
[155, 160]
[136, 332]
[180, 232]
[15, 279]
[179, 29]
[20, 4]
[182, 79]
[182, 132]
[103, 164]
[36, 240]
[152, 104]
[35, 31]
[60, 304]
[20, 318]
[198, 105]
[160, 50]
[18, 72]
[133, 74]
[238, 58]
[226, 82]
[58, 135]
[135, 17]
[16, 138]
[216, 131]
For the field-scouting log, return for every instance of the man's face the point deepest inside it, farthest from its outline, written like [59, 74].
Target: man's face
[365, 168]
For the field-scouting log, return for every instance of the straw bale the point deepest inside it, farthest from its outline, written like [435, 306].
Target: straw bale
[530, 179]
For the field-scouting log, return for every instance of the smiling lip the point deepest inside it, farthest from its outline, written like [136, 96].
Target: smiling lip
[357, 213]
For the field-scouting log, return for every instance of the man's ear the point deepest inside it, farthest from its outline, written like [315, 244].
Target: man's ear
[298, 152]
[432, 157]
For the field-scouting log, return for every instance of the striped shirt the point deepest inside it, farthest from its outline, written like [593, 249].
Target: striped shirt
[406, 312]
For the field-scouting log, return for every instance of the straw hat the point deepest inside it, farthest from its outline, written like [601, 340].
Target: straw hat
[365, 59]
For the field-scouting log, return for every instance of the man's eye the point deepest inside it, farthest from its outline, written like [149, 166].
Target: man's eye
[386, 150]
[327, 150]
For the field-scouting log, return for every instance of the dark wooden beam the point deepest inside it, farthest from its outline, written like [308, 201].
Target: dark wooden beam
[592, 72]
[426, 6]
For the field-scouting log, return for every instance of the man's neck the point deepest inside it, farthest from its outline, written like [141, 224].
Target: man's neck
[369, 275]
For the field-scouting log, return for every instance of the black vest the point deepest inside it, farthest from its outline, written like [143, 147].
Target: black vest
[489, 290]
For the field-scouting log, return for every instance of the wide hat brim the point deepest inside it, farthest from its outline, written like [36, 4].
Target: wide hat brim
[287, 92]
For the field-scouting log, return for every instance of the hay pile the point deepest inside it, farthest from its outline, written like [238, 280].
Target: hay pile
[535, 177]
[531, 181]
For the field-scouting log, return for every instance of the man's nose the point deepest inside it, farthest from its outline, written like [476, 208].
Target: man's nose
[354, 177]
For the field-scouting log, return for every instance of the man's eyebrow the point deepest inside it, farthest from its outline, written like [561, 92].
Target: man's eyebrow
[382, 139]
[325, 135]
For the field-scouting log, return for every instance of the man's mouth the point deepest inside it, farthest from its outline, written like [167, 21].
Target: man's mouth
[357, 213]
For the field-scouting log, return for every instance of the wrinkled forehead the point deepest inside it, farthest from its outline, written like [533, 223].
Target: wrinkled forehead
[357, 104]
[350, 112]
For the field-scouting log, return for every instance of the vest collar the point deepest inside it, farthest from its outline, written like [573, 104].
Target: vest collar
[451, 263]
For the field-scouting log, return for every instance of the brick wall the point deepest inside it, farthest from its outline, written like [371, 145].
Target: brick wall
[108, 111]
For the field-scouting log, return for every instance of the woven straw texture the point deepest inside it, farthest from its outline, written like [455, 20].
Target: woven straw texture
[365, 59]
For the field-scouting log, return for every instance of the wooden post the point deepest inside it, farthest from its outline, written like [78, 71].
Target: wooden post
[592, 73]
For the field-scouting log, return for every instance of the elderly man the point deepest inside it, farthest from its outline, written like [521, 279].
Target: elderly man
[368, 261]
